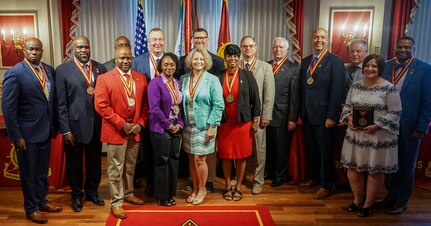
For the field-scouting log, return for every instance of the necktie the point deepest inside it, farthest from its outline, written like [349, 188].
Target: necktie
[45, 89]
[247, 66]
[349, 79]
[314, 61]
[275, 65]
[397, 66]
[157, 61]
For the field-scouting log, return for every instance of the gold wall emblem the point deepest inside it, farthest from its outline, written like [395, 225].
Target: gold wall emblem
[189, 222]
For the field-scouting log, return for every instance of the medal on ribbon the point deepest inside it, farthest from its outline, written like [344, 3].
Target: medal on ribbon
[229, 98]
[128, 86]
[276, 69]
[250, 68]
[154, 64]
[192, 89]
[87, 75]
[312, 67]
[396, 79]
[174, 94]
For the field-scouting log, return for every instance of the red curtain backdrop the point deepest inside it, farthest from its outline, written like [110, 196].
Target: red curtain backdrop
[66, 9]
[298, 20]
[400, 18]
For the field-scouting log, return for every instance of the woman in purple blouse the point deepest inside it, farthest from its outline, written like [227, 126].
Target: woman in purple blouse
[165, 124]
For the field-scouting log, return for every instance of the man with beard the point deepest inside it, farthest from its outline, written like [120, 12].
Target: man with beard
[28, 110]
[121, 100]
[79, 123]
[412, 78]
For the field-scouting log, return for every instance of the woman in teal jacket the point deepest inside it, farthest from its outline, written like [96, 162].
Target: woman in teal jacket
[203, 107]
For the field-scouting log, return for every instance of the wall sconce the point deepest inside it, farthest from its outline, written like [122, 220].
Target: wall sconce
[348, 35]
[16, 40]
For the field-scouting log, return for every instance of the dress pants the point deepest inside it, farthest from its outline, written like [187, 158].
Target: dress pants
[93, 167]
[259, 148]
[400, 184]
[144, 164]
[121, 169]
[320, 148]
[33, 173]
[278, 141]
[166, 155]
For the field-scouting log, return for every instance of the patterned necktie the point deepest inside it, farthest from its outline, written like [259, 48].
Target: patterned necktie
[45, 89]
[247, 66]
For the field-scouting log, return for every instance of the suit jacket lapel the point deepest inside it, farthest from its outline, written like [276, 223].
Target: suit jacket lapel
[409, 74]
[116, 74]
[33, 78]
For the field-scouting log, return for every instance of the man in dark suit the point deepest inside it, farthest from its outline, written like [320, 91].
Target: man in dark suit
[147, 64]
[412, 78]
[28, 110]
[121, 41]
[284, 114]
[79, 123]
[200, 41]
[322, 82]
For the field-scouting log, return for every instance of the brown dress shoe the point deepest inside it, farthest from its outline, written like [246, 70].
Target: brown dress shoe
[38, 217]
[52, 207]
[134, 200]
[322, 193]
[118, 212]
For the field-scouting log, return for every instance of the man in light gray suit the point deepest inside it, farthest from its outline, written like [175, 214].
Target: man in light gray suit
[262, 72]
[285, 112]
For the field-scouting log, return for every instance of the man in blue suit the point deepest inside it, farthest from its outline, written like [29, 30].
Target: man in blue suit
[79, 123]
[147, 64]
[412, 78]
[322, 79]
[28, 110]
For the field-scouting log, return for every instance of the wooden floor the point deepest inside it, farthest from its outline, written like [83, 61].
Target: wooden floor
[287, 205]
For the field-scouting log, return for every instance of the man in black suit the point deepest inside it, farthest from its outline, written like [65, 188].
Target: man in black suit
[121, 41]
[322, 82]
[284, 114]
[28, 110]
[79, 123]
[200, 41]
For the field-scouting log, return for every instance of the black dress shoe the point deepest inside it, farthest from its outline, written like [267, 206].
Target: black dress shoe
[164, 202]
[96, 200]
[137, 183]
[277, 183]
[77, 204]
[395, 210]
[352, 208]
[172, 201]
[149, 190]
[209, 186]
[365, 212]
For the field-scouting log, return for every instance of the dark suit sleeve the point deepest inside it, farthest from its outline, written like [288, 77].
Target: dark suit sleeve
[294, 97]
[338, 80]
[10, 99]
[62, 105]
[55, 117]
[254, 95]
[425, 113]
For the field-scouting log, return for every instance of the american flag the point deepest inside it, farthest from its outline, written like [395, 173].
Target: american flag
[141, 42]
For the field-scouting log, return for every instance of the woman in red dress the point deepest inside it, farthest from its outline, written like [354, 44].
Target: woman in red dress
[239, 121]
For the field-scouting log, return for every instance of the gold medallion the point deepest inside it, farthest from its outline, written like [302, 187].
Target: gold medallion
[362, 121]
[131, 102]
[310, 81]
[90, 90]
[190, 103]
[175, 110]
[229, 98]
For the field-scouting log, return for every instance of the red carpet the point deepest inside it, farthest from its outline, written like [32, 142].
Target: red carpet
[193, 215]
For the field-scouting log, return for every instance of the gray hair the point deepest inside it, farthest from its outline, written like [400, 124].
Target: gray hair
[363, 42]
[286, 43]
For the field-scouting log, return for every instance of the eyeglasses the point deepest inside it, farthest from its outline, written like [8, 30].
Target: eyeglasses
[200, 38]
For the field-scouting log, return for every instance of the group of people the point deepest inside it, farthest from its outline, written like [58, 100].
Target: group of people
[154, 105]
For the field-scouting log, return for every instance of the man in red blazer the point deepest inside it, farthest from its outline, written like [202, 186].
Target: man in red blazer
[121, 100]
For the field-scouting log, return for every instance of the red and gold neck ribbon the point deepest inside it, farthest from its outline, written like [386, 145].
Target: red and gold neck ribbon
[250, 68]
[276, 69]
[173, 91]
[41, 78]
[128, 84]
[396, 78]
[86, 75]
[192, 89]
[230, 84]
[153, 62]
[313, 67]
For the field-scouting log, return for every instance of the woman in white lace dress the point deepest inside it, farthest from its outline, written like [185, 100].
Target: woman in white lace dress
[371, 152]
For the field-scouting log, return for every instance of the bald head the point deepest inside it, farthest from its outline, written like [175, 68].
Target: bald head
[33, 50]
[81, 49]
[122, 41]
[123, 59]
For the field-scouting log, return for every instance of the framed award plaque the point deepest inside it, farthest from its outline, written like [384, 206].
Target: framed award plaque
[363, 117]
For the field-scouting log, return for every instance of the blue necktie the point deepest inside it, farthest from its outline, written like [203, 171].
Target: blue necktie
[312, 65]
[247, 65]
[157, 61]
